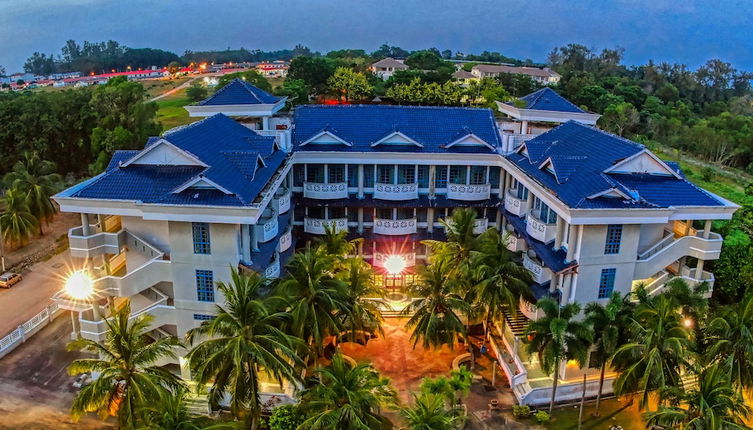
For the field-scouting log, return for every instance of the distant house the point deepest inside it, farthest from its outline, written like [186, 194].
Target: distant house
[541, 75]
[464, 77]
[276, 69]
[386, 67]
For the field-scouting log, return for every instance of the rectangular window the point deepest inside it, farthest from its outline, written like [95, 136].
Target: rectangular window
[423, 176]
[353, 175]
[200, 232]
[478, 175]
[336, 173]
[457, 174]
[203, 317]
[299, 171]
[205, 285]
[614, 236]
[368, 175]
[384, 213]
[336, 213]
[406, 175]
[385, 174]
[494, 177]
[441, 180]
[315, 173]
[606, 283]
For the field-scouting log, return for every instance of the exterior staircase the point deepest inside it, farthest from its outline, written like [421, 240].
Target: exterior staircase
[517, 322]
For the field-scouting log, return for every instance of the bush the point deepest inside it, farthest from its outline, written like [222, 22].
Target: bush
[285, 417]
[708, 174]
[521, 411]
[541, 417]
[196, 93]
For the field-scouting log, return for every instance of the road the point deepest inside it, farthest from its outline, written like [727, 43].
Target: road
[30, 296]
[182, 86]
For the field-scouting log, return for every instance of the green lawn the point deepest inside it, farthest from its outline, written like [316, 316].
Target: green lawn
[613, 412]
[171, 113]
[155, 87]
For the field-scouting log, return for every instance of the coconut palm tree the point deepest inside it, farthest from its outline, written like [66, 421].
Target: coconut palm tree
[241, 343]
[660, 347]
[609, 323]
[17, 222]
[430, 412]
[436, 319]
[335, 242]
[36, 179]
[557, 336]
[318, 301]
[345, 397]
[503, 281]
[128, 378]
[713, 405]
[364, 315]
[730, 338]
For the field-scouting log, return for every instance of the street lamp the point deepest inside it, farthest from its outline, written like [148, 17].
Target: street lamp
[79, 285]
[395, 264]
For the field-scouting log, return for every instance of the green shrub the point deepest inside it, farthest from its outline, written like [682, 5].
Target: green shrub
[286, 417]
[541, 417]
[521, 411]
[708, 174]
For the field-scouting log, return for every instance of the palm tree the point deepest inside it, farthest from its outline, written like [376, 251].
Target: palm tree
[558, 336]
[344, 397]
[659, 347]
[242, 341]
[364, 315]
[171, 413]
[503, 280]
[335, 242]
[730, 336]
[128, 380]
[714, 405]
[436, 315]
[17, 222]
[609, 324]
[318, 301]
[36, 179]
[429, 412]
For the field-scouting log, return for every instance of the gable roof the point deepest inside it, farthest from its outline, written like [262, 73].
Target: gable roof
[239, 92]
[577, 148]
[389, 62]
[236, 165]
[521, 70]
[435, 128]
[548, 100]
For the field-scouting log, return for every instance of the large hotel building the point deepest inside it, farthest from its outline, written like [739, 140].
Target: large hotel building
[591, 212]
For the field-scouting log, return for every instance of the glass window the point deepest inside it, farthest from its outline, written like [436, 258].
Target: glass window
[614, 236]
[353, 175]
[421, 215]
[336, 213]
[298, 172]
[368, 175]
[406, 174]
[384, 213]
[315, 212]
[315, 173]
[543, 212]
[441, 180]
[200, 232]
[606, 282]
[203, 317]
[404, 213]
[478, 175]
[423, 176]
[494, 176]
[457, 174]
[385, 174]
[205, 285]
[336, 173]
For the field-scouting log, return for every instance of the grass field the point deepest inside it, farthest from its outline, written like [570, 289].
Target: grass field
[171, 113]
[612, 412]
[155, 87]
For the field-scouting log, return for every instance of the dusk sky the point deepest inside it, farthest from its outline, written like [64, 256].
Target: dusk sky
[685, 31]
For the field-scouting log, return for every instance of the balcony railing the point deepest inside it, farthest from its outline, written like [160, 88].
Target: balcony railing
[528, 309]
[268, 228]
[286, 240]
[281, 202]
[316, 225]
[316, 190]
[469, 193]
[94, 244]
[670, 249]
[380, 257]
[396, 191]
[514, 205]
[273, 270]
[540, 273]
[538, 229]
[480, 225]
[515, 243]
[394, 227]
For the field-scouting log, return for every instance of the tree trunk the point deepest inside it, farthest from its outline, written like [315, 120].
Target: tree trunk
[554, 387]
[601, 385]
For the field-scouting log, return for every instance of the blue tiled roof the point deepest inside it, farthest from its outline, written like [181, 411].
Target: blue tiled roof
[230, 151]
[580, 154]
[364, 125]
[547, 99]
[239, 92]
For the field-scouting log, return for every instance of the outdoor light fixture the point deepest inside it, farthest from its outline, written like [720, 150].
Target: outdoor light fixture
[394, 264]
[688, 322]
[79, 285]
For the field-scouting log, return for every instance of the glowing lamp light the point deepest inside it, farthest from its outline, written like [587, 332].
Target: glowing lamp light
[394, 264]
[688, 322]
[79, 285]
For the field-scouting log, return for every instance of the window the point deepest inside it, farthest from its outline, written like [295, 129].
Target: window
[405, 213]
[384, 174]
[368, 175]
[200, 232]
[606, 283]
[457, 174]
[336, 173]
[441, 180]
[519, 191]
[337, 213]
[315, 173]
[205, 285]
[614, 236]
[543, 212]
[478, 175]
[298, 172]
[203, 317]
[406, 174]
[384, 213]
[353, 175]
[423, 176]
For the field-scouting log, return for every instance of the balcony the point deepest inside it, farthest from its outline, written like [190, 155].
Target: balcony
[381, 257]
[396, 191]
[316, 190]
[394, 227]
[528, 309]
[671, 248]
[273, 270]
[281, 201]
[268, 227]
[316, 225]
[515, 243]
[538, 229]
[469, 193]
[480, 225]
[540, 273]
[514, 205]
[286, 240]
[94, 244]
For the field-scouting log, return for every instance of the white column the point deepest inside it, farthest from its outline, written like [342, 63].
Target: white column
[699, 269]
[360, 181]
[430, 220]
[432, 180]
[360, 220]
[265, 123]
[96, 311]
[76, 326]
[572, 242]
[245, 243]
[524, 127]
[559, 235]
[85, 229]
[706, 229]
[326, 173]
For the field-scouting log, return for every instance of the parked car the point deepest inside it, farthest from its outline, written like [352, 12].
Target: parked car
[8, 279]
